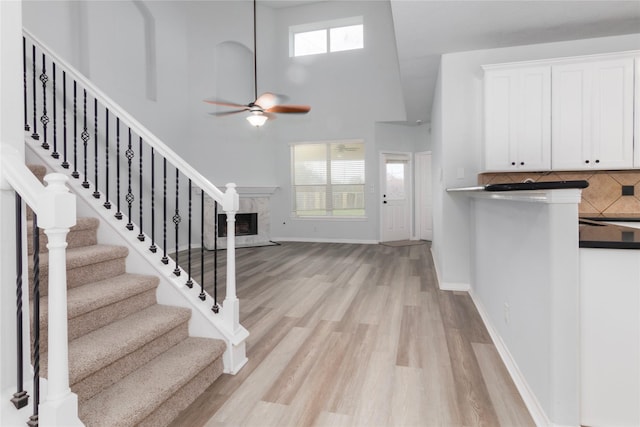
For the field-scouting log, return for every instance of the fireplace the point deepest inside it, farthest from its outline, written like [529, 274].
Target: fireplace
[246, 224]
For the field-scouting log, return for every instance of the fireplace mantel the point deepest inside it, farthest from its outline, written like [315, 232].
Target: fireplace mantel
[254, 191]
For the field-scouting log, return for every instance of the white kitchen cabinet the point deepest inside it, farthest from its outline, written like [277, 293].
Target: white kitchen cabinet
[517, 132]
[636, 108]
[592, 114]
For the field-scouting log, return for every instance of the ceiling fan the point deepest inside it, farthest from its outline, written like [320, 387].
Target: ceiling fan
[264, 106]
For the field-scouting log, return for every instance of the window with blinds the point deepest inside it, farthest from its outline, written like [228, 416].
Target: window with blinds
[328, 179]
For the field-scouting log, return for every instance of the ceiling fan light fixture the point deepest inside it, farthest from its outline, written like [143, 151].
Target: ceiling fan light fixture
[257, 119]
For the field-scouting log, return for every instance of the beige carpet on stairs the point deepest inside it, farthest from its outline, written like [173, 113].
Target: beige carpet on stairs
[131, 360]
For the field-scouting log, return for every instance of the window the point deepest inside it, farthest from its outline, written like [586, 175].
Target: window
[328, 179]
[329, 36]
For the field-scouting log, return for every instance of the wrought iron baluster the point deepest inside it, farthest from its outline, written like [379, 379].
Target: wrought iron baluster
[141, 234]
[107, 203]
[216, 307]
[202, 294]
[65, 163]
[20, 398]
[118, 214]
[24, 82]
[55, 153]
[44, 119]
[96, 193]
[129, 197]
[34, 135]
[189, 282]
[153, 248]
[75, 172]
[85, 141]
[165, 260]
[33, 420]
[176, 221]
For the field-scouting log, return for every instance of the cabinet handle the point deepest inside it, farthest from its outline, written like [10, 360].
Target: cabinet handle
[597, 161]
[586, 161]
[513, 163]
[521, 163]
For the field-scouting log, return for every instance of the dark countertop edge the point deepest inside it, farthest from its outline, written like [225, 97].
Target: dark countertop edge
[608, 245]
[611, 219]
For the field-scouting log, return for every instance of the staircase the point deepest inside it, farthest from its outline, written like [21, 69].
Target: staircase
[131, 360]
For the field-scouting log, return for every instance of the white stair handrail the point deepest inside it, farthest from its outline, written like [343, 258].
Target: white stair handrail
[195, 176]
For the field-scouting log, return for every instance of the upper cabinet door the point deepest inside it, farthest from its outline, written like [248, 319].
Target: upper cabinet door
[592, 119]
[517, 119]
[636, 108]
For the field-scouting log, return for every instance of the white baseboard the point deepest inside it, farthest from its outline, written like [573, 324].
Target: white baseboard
[448, 286]
[323, 240]
[535, 409]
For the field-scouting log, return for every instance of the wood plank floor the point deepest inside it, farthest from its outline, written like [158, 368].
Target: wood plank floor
[356, 335]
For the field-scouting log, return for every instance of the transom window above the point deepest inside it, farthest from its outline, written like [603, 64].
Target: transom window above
[327, 36]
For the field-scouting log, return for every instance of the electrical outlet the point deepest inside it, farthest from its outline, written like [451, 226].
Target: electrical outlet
[507, 313]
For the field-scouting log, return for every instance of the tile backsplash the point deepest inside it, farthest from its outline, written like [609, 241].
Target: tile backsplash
[613, 194]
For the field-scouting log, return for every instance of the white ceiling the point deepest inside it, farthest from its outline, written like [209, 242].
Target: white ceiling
[425, 29]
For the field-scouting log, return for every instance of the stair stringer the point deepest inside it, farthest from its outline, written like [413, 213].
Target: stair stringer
[171, 289]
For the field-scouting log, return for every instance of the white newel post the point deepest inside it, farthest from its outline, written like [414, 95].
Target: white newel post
[231, 309]
[58, 214]
[235, 355]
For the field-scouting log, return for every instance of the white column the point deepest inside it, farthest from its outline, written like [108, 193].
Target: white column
[230, 307]
[57, 212]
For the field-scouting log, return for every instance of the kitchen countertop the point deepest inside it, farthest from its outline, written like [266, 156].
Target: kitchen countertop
[598, 234]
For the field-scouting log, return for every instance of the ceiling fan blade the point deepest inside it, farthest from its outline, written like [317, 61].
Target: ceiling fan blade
[295, 109]
[227, 113]
[223, 103]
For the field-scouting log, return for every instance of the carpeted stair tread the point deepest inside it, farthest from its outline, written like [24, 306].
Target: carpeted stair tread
[97, 349]
[136, 396]
[107, 300]
[84, 233]
[87, 255]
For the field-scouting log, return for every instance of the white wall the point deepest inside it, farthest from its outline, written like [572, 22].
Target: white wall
[348, 91]
[457, 145]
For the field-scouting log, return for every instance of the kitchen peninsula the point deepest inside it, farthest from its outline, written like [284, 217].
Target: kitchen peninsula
[555, 319]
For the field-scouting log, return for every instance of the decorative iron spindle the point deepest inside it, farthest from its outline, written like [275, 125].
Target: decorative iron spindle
[202, 294]
[75, 172]
[118, 214]
[216, 307]
[85, 140]
[44, 119]
[153, 248]
[55, 153]
[20, 398]
[129, 197]
[33, 420]
[24, 83]
[189, 282]
[65, 163]
[34, 135]
[96, 193]
[176, 221]
[141, 234]
[165, 259]
[107, 203]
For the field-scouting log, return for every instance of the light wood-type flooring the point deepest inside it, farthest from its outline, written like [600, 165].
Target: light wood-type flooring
[356, 335]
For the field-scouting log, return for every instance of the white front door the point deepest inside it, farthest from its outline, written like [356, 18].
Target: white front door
[424, 199]
[395, 212]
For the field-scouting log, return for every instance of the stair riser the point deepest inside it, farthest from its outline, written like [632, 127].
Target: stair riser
[171, 408]
[75, 239]
[82, 275]
[95, 319]
[109, 375]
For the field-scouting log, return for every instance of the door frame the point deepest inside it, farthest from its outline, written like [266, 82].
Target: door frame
[382, 182]
[418, 187]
